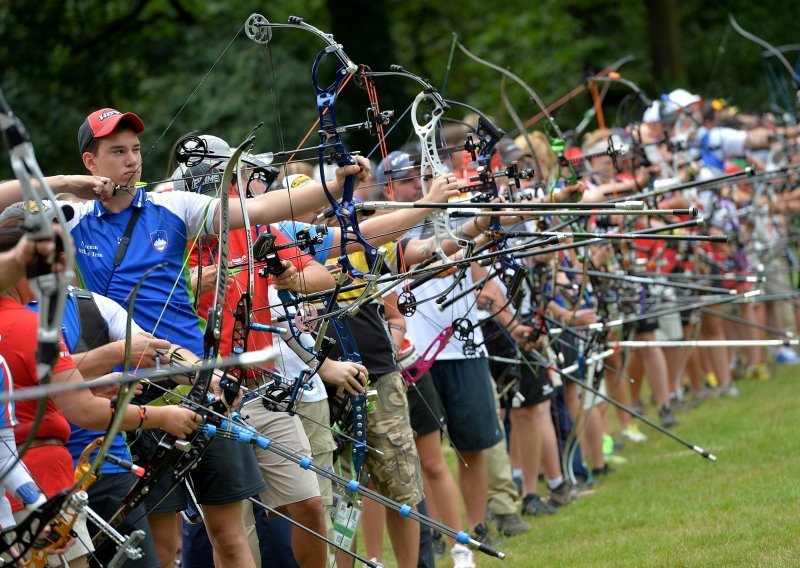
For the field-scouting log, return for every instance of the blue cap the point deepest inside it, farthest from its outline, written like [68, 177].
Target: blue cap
[398, 165]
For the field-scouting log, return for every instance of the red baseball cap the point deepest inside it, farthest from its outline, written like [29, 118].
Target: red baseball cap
[102, 123]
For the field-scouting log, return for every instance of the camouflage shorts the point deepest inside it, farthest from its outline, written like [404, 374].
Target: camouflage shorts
[397, 473]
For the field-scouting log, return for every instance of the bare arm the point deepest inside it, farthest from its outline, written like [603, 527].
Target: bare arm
[279, 205]
[85, 187]
[144, 350]
[396, 321]
[313, 278]
[382, 229]
[84, 409]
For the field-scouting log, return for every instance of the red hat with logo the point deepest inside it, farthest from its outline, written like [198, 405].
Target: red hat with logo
[103, 122]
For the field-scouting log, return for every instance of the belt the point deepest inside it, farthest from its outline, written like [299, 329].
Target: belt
[38, 442]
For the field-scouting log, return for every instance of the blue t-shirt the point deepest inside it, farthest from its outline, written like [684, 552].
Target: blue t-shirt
[80, 437]
[291, 228]
[167, 224]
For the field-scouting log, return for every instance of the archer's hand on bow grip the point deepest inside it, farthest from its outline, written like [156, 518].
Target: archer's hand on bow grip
[361, 169]
[443, 188]
[572, 193]
[352, 377]
[13, 263]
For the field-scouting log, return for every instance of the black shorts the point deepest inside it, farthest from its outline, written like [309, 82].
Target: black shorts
[105, 496]
[643, 325]
[535, 385]
[570, 346]
[425, 407]
[223, 460]
[466, 391]
[227, 473]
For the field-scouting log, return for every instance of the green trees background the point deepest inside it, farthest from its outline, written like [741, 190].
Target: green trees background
[188, 66]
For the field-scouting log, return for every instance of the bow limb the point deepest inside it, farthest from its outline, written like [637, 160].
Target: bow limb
[512, 112]
[234, 377]
[527, 88]
[575, 92]
[769, 47]
[49, 286]
[431, 165]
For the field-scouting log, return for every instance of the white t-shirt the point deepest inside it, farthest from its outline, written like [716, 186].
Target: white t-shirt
[290, 364]
[429, 321]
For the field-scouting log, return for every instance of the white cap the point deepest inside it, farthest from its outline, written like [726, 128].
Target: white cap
[602, 146]
[652, 113]
[667, 109]
[683, 98]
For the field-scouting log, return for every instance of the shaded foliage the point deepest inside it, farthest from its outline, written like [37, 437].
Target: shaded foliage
[64, 58]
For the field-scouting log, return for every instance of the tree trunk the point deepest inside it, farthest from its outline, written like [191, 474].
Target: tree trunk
[666, 43]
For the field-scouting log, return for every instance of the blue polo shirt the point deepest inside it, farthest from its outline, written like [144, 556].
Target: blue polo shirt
[167, 224]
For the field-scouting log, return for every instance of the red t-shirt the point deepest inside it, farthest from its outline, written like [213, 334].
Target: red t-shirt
[50, 466]
[238, 255]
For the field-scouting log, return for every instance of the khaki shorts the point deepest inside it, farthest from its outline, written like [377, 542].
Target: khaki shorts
[397, 473]
[312, 416]
[83, 541]
[287, 482]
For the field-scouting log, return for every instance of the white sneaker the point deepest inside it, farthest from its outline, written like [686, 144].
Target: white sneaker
[376, 561]
[462, 556]
[729, 390]
[633, 434]
[786, 356]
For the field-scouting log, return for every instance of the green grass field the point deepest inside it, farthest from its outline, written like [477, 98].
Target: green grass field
[667, 506]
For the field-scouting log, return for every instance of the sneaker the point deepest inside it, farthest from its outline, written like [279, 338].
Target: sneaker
[481, 534]
[786, 356]
[511, 524]
[602, 471]
[699, 396]
[377, 562]
[633, 434]
[615, 459]
[667, 417]
[762, 372]
[462, 556]
[533, 505]
[583, 483]
[439, 545]
[562, 495]
[684, 404]
[711, 380]
[729, 390]
[608, 445]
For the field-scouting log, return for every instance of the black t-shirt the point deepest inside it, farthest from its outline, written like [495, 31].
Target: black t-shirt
[371, 334]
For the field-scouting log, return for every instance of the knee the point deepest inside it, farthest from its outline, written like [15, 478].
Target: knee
[434, 467]
[228, 538]
[525, 415]
[308, 509]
